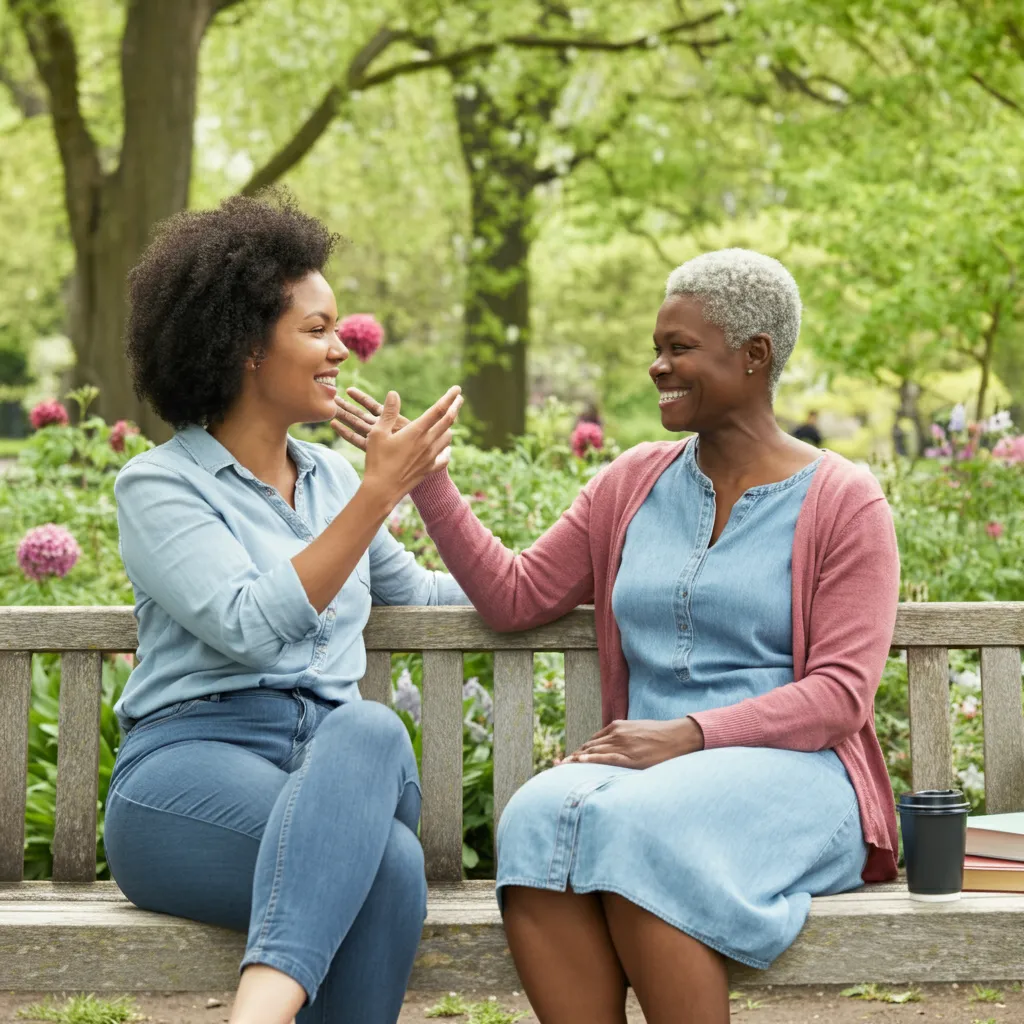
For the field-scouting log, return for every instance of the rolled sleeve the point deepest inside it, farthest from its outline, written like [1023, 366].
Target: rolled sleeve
[282, 601]
[179, 551]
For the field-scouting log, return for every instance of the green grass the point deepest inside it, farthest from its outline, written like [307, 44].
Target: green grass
[879, 994]
[453, 1005]
[986, 995]
[489, 1012]
[84, 1010]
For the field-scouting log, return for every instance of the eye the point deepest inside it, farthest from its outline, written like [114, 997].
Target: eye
[319, 331]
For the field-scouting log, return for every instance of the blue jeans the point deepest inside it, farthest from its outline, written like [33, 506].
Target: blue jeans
[279, 813]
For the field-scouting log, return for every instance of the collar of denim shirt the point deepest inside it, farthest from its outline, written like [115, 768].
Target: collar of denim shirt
[213, 456]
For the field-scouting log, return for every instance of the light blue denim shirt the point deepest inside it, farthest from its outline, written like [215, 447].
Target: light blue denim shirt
[706, 627]
[208, 549]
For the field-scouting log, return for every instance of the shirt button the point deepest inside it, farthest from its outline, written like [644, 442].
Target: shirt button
[685, 593]
[331, 614]
[683, 626]
[321, 649]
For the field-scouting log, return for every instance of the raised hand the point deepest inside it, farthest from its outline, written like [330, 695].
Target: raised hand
[354, 421]
[400, 453]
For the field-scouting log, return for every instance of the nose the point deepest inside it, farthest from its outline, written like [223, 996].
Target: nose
[338, 351]
[658, 367]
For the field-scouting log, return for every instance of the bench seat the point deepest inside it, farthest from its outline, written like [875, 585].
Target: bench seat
[71, 937]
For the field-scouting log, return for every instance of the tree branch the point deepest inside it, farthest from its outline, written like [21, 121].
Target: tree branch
[992, 91]
[316, 124]
[358, 80]
[53, 50]
[790, 81]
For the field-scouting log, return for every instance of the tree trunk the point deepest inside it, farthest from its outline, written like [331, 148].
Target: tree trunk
[112, 212]
[500, 143]
[988, 350]
[496, 317]
[159, 60]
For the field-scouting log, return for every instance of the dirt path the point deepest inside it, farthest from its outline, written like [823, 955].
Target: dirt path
[955, 1005]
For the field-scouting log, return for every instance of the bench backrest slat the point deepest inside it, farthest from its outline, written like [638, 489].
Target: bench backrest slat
[513, 725]
[931, 749]
[582, 697]
[15, 698]
[376, 684]
[441, 831]
[78, 756]
[1004, 729]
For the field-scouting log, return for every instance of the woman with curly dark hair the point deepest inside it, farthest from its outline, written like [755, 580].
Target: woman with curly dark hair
[254, 789]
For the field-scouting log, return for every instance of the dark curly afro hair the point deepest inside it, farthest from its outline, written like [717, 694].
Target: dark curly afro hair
[206, 295]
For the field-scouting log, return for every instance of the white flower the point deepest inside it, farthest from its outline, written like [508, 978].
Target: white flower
[972, 778]
[969, 681]
[1000, 422]
[958, 417]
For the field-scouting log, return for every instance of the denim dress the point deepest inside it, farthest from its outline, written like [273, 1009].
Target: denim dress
[730, 844]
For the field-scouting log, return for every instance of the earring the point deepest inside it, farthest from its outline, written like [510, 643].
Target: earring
[749, 372]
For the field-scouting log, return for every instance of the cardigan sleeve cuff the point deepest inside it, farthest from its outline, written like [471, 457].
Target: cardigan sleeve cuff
[735, 726]
[436, 496]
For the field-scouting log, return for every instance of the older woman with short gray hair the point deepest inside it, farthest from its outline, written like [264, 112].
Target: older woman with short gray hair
[745, 588]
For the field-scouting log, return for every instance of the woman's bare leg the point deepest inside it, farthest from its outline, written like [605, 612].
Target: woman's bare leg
[267, 996]
[565, 957]
[677, 979]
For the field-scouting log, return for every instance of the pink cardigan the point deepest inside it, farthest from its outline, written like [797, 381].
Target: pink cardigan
[845, 592]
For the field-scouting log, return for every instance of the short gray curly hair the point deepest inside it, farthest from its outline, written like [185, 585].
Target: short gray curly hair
[744, 293]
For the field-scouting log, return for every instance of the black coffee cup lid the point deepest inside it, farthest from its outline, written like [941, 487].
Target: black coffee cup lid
[937, 801]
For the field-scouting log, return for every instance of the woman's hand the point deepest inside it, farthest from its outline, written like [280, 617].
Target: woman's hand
[399, 456]
[640, 744]
[354, 421]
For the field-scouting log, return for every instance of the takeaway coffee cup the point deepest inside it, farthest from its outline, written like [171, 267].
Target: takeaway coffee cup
[934, 840]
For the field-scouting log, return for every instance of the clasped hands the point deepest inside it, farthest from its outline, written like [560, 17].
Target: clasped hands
[640, 744]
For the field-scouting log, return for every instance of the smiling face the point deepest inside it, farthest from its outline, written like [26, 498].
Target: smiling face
[701, 380]
[296, 377]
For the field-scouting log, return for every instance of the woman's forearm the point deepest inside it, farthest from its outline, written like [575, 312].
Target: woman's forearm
[325, 564]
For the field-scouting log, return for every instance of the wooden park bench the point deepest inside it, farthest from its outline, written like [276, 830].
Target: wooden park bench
[79, 934]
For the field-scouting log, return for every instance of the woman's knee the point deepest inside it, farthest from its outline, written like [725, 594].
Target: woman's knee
[401, 877]
[539, 800]
[371, 726]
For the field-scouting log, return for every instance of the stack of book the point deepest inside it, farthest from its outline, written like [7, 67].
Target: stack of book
[995, 853]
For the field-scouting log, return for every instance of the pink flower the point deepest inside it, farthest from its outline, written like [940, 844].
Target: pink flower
[1010, 449]
[47, 413]
[586, 435]
[48, 550]
[361, 334]
[994, 529]
[938, 433]
[118, 432]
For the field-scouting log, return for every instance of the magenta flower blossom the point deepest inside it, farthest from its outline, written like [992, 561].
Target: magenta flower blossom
[586, 435]
[994, 529]
[48, 550]
[938, 433]
[362, 334]
[118, 432]
[48, 413]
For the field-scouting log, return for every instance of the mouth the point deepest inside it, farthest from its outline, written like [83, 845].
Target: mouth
[667, 397]
[326, 381]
